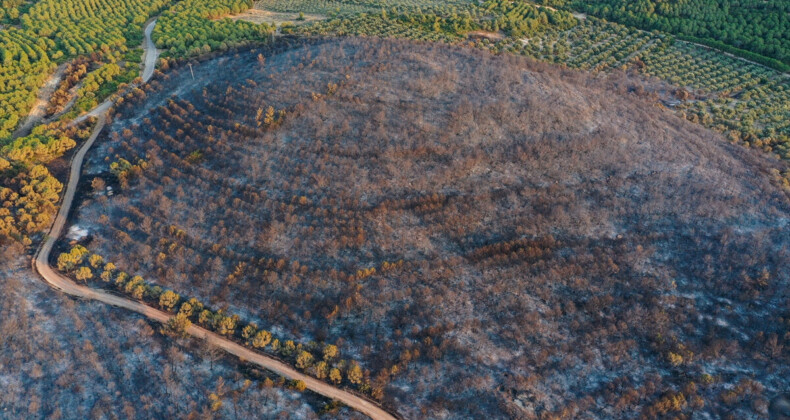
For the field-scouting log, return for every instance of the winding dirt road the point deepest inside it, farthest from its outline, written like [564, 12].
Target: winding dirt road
[64, 284]
[150, 53]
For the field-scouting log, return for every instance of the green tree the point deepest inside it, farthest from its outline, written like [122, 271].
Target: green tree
[83, 274]
[288, 348]
[330, 352]
[354, 373]
[177, 325]
[335, 376]
[191, 307]
[249, 331]
[304, 360]
[168, 300]
[321, 369]
[206, 317]
[298, 385]
[261, 339]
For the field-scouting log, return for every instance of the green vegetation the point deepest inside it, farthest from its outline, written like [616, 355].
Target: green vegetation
[593, 45]
[519, 19]
[28, 199]
[759, 26]
[40, 147]
[47, 32]
[44, 33]
[103, 82]
[345, 8]
[426, 27]
[447, 23]
[82, 27]
[28, 193]
[190, 27]
[54, 31]
[24, 66]
[747, 102]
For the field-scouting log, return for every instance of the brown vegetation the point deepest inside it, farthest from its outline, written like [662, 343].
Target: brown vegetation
[70, 359]
[470, 227]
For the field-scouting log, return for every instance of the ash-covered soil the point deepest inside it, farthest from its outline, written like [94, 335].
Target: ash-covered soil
[545, 242]
[63, 358]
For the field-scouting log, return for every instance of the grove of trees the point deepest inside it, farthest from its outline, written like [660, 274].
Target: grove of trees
[194, 27]
[757, 26]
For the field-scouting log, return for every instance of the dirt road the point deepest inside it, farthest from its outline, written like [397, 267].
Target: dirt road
[150, 53]
[64, 284]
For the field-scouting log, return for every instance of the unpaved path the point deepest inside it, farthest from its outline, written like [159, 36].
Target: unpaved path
[64, 284]
[39, 109]
[150, 53]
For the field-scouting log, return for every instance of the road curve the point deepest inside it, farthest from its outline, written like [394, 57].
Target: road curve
[66, 285]
[150, 53]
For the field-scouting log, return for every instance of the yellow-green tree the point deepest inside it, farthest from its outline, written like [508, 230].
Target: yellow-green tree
[168, 300]
[321, 369]
[261, 339]
[177, 325]
[335, 376]
[304, 360]
[227, 324]
[83, 274]
[354, 373]
[95, 260]
[330, 352]
[248, 332]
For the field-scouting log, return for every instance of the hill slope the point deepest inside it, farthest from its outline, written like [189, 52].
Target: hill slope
[542, 241]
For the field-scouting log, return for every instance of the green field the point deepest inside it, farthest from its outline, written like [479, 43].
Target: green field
[756, 29]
